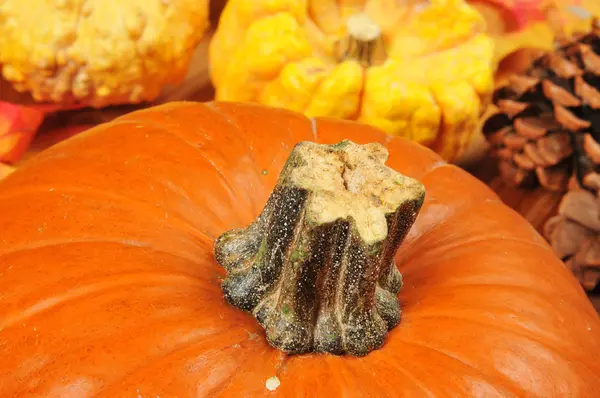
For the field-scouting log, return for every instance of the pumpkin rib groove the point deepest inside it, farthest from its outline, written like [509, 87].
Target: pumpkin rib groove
[227, 382]
[502, 375]
[111, 383]
[526, 289]
[224, 115]
[133, 203]
[518, 330]
[421, 262]
[232, 191]
[410, 245]
[434, 167]
[353, 372]
[506, 382]
[408, 375]
[285, 135]
[220, 389]
[163, 129]
[476, 372]
[122, 280]
[467, 206]
[131, 334]
[445, 247]
[238, 126]
[61, 242]
[215, 342]
[459, 210]
[314, 130]
[168, 186]
[442, 166]
[250, 367]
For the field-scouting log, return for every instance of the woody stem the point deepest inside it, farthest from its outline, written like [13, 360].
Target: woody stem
[316, 268]
[364, 41]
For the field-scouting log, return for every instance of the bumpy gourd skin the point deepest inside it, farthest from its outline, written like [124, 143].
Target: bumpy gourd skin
[98, 52]
[432, 87]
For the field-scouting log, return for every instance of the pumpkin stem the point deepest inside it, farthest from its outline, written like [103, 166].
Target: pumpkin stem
[364, 42]
[316, 269]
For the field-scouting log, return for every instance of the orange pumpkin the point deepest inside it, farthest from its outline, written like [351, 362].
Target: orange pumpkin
[109, 288]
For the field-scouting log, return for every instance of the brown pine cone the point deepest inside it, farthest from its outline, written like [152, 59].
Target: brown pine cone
[545, 114]
[574, 234]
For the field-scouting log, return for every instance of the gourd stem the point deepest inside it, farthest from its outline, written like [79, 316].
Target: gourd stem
[316, 268]
[364, 41]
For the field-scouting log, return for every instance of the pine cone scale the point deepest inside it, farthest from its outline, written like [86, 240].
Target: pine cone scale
[524, 162]
[559, 95]
[535, 153]
[589, 255]
[554, 178]
[515, 141]
[530, 128]
[511, 107]
[555, 148]
[590, 59]
[566, 236]
[505, 154]
[497, 137]
[592, 180]
[580, 206]
[574, 235]
[561, 66]
[587, 262]
[589, 94]
[513, 175]
[522, 84]
[591, 148]
[568, 120]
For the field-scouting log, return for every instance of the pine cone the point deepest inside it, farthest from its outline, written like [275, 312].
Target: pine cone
[547, 115]
[574, 234]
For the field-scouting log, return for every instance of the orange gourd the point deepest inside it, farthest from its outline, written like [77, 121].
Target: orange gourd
[109, 286]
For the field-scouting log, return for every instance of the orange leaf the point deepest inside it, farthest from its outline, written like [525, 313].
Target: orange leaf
[18, 125]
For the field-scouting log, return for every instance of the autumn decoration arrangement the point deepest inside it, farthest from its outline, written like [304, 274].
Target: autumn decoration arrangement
[372, 61]
[110, 285]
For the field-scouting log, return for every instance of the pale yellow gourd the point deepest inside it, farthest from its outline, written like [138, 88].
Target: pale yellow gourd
[98, 52]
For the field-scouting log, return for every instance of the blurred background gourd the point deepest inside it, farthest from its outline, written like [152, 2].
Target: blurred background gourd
[58, 54]
[421, 70]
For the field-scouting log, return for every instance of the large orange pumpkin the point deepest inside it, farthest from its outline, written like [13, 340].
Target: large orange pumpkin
[109, 288]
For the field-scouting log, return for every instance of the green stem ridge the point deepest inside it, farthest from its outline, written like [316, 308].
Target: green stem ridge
[316, 269]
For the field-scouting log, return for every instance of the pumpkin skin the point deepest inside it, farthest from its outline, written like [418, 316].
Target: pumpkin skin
[108, 286]
[98, 52]
[432, 85]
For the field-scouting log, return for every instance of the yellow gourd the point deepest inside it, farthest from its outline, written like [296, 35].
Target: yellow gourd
[98, 52]
[418, 69]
